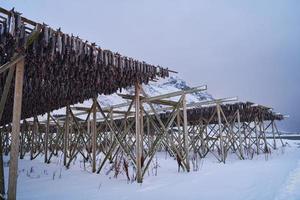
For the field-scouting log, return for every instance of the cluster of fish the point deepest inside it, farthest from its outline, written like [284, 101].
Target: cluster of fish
[248, 113]
[62, 70]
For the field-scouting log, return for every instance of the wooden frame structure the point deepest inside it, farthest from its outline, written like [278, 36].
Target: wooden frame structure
[131, 133]
[51, 67]
[136, 130]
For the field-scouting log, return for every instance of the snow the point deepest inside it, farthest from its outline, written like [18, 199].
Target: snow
[272, 177]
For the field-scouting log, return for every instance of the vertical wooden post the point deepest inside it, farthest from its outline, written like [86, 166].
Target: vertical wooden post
[240, 134]
[139, 177]
[15, 140]
[150, 136]
[58, 135]
[47, 137]
[89, 133]
[256, 136]
[22, 130]
[33, 134]
[142, 134]
[185, 134]
[201, 129]
[262, 130]
[2, 182]
[273, 133]
[180, 130]
[94, 134]
[66, 134]
[220, 133]
[111, 117]
[279, 135]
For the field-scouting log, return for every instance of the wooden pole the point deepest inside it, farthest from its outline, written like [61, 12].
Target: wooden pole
[256, 135]
[22, 130]
[185, 134]
[220, 133]
[6, 90]
[240, 134]
[15, 140]
[94, 134]
[142, 134]
[279, 135]
[273, 133]
[150, 136]
[66, 135]
[263, 132]
[33, 137]
[139, 177]
[2, 182]
[89, 133]
[47, 137]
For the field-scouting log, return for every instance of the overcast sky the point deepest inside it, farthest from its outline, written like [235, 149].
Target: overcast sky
[249, 49]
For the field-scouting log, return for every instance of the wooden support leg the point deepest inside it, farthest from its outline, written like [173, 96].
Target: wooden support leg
[150, 136]
[278, 134]
[15, 140]
[2, 183]
[256, 137]
[273, 133]
[185, 134]
[94, 134]
[22, 130]
[240, 135]
[66, 135]
[139, 177]
[47, 137]
[220, 134]
[262, 130]
[33, 137]
[142, 134]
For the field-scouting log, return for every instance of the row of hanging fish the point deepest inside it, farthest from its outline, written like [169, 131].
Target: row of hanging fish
[63, 70]
[247, 112]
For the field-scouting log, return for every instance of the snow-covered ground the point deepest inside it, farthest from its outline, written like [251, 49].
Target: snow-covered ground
[275, 177]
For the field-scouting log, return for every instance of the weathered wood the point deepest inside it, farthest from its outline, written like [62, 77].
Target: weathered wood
[139, 176]
[2, 180]
[6, 90]
[94, 135]
[273, 134]
[185, 133]
[17, 58]
[15, 141]
[240, 134]
[222, 153]
[47, 138]
[33, 137]
[66, 134]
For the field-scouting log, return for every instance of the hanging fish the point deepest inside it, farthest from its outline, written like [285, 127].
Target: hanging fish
[12, 23]
[58, 43]
[64, 43]
[22, 36]
[113, 60]
[94, 53]
[46, 35]
[105, 58]
[18, 21]
[86, 48]
[80, 47]
[74, 46]
[53, 41]
[101, 55]
[1, 33]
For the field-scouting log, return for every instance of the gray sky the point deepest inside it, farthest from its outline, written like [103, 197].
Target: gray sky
[249, 49]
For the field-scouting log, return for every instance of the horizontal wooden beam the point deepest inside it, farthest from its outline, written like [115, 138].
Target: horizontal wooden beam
[11, 63]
